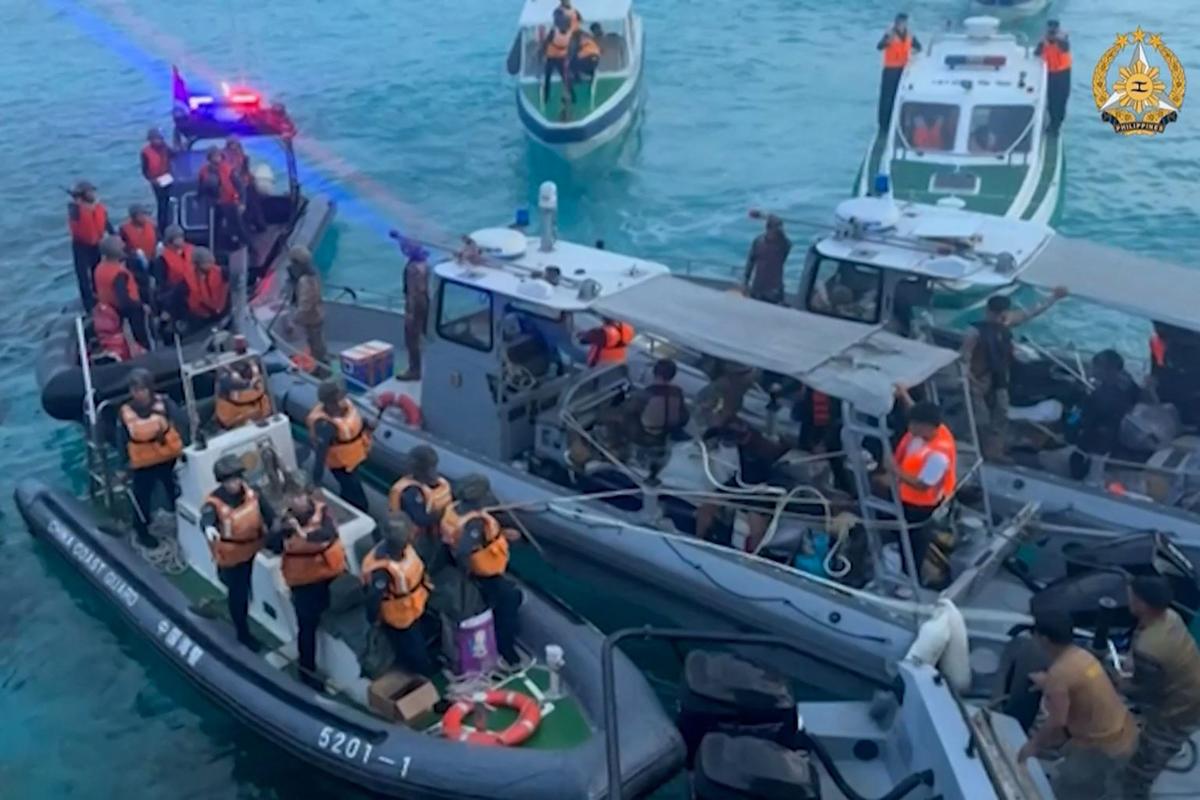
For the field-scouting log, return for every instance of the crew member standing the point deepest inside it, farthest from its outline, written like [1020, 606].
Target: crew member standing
[763, 279]
[1055, 50]
[609, 342]
[416, 306]
[207, 293]
[173, 271]
[117, 286]
[897, 45]
[341, 441]
[148, 434]
[925, 463]
[479, 545]
[1165, 684]
[1084, 713]
[156, 168]
[235, 519]
[87, 219]
[308, 309]
[222, 185]
[313, 557]
[423, 496]
[241, 395]
[397, 593]
[139, 235]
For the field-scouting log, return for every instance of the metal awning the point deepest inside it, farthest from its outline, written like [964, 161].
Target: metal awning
[848, 360]
[1144, 286]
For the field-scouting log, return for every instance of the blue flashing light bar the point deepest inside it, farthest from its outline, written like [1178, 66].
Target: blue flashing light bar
[976, 61]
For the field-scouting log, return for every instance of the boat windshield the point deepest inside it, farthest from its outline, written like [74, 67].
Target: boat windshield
[927, 126]
[845, 290]
[998, 129]
[611, 38]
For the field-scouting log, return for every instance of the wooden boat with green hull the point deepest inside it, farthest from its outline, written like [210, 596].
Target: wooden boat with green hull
[967, 129]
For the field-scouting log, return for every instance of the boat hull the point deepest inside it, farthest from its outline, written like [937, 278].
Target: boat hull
[1005, 13]
[388, 759]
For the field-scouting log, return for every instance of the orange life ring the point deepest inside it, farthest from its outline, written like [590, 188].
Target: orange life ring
[409, 408]
[304, 362]
[529, 714]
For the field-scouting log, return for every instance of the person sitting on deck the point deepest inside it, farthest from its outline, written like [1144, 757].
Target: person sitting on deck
[241, 395]
[661, 415]
[423, 495]
[1098, 435]
[555, 50]
[397, 594]
[585, 54]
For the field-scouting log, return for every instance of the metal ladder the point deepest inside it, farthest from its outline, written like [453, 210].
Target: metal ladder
[105, 482]
[879, 514]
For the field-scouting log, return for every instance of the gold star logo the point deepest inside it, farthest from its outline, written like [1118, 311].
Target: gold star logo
[1139, 35]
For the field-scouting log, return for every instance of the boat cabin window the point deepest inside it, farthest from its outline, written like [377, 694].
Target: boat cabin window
[928, 126]
[465, 315]
[998, 129]
[845, 290]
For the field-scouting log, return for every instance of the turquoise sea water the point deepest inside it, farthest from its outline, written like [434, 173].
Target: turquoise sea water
[406, 115]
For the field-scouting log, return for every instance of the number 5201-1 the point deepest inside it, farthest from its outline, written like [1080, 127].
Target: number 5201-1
[352, 748]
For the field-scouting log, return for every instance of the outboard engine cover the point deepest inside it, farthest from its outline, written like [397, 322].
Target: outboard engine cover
[1138, 554]
[723, 693]
[1093, 599]
[737, 767]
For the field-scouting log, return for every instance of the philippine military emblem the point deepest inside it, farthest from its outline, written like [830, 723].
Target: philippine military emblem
[1142, 98]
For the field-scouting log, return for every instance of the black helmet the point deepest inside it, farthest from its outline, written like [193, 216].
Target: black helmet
[141, 379]
[474, 488]
[329, 392]
[228, 466]
[112, 247]
[423, 458]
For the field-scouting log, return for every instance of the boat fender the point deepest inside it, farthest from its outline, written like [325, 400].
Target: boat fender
[529, 714]
[942, 642]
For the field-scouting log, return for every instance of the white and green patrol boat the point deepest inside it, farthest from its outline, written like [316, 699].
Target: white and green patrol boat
[967, 129]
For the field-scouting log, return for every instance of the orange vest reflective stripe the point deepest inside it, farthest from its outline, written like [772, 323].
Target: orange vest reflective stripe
[140, 237]
[306, 562]
[897, 51]
[208, 293]
[227, 191]
[88, 222]
[407, 592]
[491, 558]
[105, 277]
[617, 338]
[244, 405]
[158, 161]
[240, 530]
[179, 264]
[559, 42]
[437, 497]
[352, 441]
[822, 410]
[153, 440]
[1158, 350]
[1056, 58]
[588, 47]
[911, 464]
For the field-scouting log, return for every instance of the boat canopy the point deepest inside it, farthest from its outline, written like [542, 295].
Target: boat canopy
[847, 360]
[541, 12]
[1144, 286]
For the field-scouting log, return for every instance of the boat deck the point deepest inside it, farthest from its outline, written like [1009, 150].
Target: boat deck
[584, 103]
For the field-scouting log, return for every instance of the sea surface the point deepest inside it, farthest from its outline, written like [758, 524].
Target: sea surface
[406, 116]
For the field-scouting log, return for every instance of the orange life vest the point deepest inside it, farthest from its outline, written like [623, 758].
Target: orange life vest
[928, 137]
[491, 558]
[559, 42]
[140, 237]
[306, 562]
[1158, 350]
[110, 333]
[237, 160]
[158, 161]
[437, 498]
[227, 191]
[822, 409]
[179, 264]
[240, 530]
[88, 222]
[898, 50]
[1057, 59]
[617, 338]
[106, 275]
[153, 439]
[352, 441]
[911, 464]
[407, 591]
[588, 47]
[244, 405]
[208, 293]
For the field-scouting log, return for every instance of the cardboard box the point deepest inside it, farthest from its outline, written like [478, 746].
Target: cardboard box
[370, 363]
[400, 696]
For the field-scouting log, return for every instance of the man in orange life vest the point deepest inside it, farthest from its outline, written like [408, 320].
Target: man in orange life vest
[924, 469]
[139, 235]
[235, 520]
[87, 219]
[897, 45]
[207, 292]
[423, 496]
[236, 156]
[585, 53]
[397, 593]
[172, 270]
[148, 434]
[1055, 50]
[117, 286]
[313, 556]
[241, 395]
[156, 168]
[341, 440]
[555, 50]
[609, 342]
[219, 181]
[479, 546]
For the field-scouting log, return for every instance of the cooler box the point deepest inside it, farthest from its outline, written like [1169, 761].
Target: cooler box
[369, 363]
